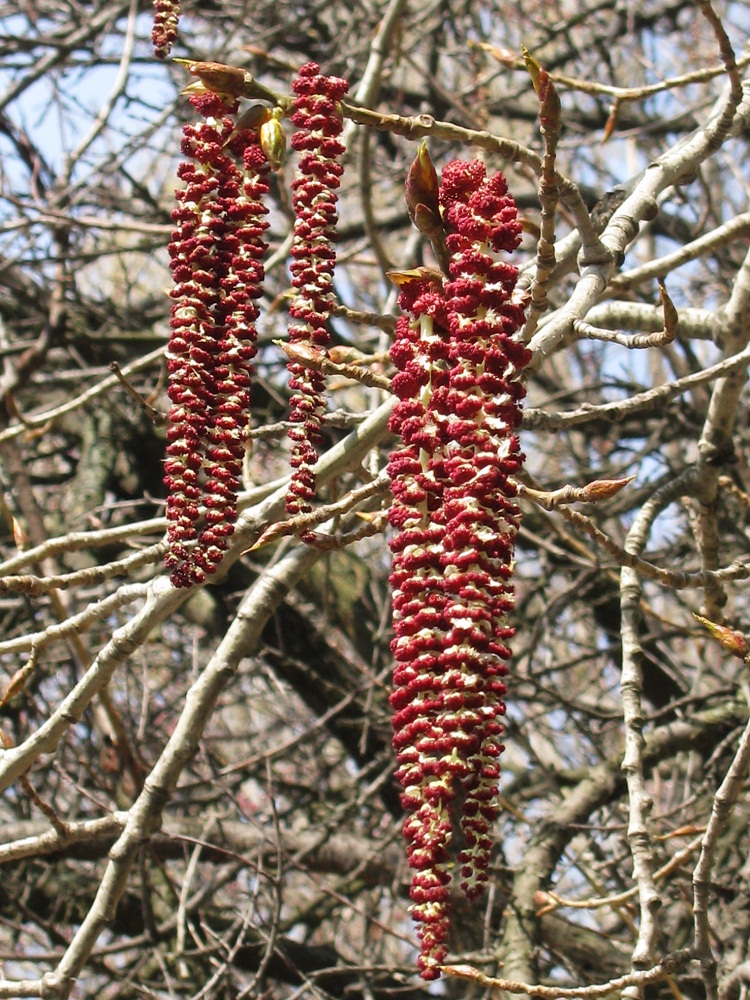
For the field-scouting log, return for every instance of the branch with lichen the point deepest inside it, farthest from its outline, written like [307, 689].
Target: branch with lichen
[550, 123]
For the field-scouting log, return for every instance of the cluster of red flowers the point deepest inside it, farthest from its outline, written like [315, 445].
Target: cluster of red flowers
[217, 263]
[216, 258]
[164, 31]
[458, 354]
[318, 122]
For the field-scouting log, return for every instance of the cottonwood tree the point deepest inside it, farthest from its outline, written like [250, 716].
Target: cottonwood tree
[200, 792]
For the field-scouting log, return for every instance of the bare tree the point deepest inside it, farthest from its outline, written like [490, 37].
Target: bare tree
[199, 795]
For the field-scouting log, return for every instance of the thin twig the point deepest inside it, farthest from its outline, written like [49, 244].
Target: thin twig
[667, 967]
[638, 341]
[597, 902]
[41, 419]
[313, 357]
[610, 90]
[305, 522]
[739, 569]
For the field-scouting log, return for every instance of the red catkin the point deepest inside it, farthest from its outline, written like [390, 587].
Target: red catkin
[317, 179]
[458, 355]
[164, 31]
[216, 257]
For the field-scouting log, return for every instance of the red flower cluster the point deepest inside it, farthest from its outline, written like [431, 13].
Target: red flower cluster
[217, 262]
[164, 31]
[319, 125]
[458, 356]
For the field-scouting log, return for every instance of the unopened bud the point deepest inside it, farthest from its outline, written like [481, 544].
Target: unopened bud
[532, 66]
[218, 77]
[273, 142]
[421, 192]
[549, 100]
[602, 489]
[306, 354]
[734, 642]
[19, 534]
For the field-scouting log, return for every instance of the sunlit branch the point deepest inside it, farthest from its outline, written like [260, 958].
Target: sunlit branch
[721, 810]
[640, 801]
[550, 113]
[639, 979]
[34, 586]
[641, 206]
[731, 230]
[538, 419]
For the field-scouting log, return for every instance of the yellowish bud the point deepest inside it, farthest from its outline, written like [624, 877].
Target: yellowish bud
[273, 142]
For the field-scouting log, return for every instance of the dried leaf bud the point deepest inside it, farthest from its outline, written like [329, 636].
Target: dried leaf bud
[462, 972]
[20, 537]
[671, 318]
[427, 222]
[219, 78]
[611, 122]
[306, 353]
